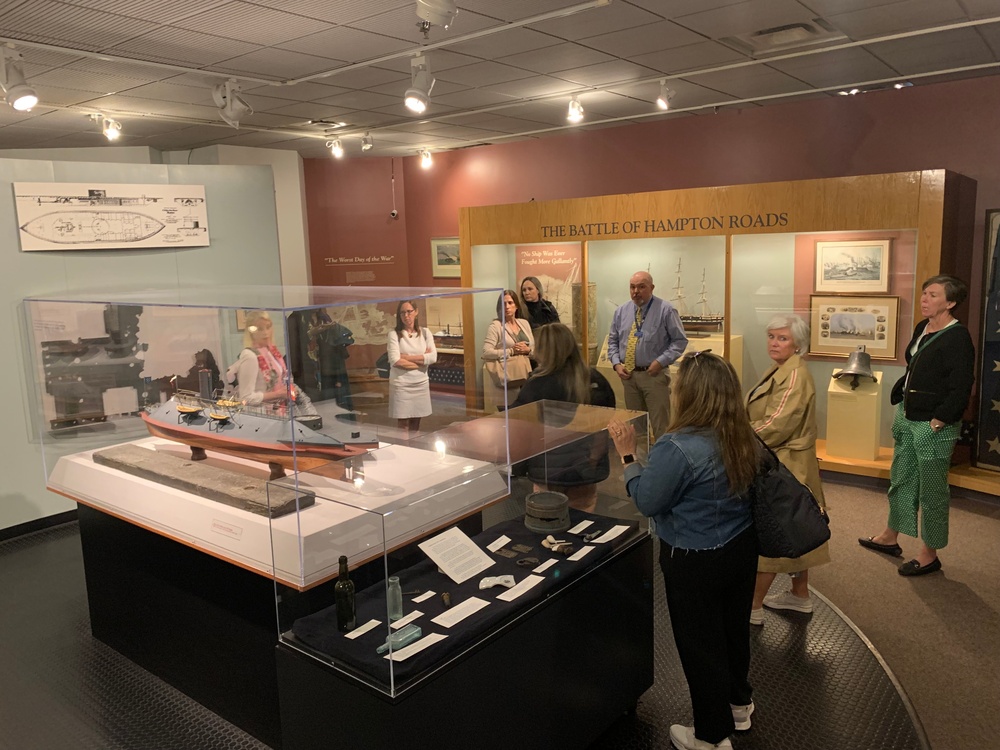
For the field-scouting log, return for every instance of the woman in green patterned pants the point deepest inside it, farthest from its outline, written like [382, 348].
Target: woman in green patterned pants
[930, 399]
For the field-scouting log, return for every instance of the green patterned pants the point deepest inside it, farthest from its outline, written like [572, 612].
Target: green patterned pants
[918, 480]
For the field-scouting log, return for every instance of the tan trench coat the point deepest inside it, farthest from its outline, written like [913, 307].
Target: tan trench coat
[782, 410]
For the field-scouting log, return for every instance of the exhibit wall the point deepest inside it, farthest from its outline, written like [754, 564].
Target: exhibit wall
[243, 250]
[828, 137]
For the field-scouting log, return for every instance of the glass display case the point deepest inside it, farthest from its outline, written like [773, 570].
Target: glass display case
[436, 566]
[172, 409]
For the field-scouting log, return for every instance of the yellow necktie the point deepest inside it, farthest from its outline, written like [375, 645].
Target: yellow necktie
[632, 341]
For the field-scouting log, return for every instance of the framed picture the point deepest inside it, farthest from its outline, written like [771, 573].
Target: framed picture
[842, 324]
[446, 262]
[855, 267]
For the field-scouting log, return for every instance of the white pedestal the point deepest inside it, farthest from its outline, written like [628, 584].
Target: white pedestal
[854, 417]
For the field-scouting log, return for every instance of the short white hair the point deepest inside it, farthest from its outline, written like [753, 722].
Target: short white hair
[795, 324]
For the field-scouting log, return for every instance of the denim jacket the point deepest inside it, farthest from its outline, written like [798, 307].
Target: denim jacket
[685, 491]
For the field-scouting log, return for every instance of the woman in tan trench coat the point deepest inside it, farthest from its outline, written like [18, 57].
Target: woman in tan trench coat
[782, 410]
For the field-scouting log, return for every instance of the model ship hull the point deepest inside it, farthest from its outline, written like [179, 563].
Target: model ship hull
[256, 437]
[704, 323]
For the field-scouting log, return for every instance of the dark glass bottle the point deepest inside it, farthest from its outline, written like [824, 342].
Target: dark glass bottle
[343, 593]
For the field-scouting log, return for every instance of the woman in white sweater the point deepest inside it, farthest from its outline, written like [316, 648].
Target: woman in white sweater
[411, 350]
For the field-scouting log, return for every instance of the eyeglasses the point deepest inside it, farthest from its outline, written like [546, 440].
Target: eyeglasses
[407, 312]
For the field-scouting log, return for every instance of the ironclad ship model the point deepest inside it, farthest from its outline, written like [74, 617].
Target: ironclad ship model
[229, 426]
[703, 320]
[76, 227]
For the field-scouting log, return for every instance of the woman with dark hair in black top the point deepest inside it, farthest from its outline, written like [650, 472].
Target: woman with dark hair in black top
[930, 399]
[538, 310]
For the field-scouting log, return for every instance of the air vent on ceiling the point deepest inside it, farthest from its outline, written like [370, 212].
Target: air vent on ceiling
[785, 38]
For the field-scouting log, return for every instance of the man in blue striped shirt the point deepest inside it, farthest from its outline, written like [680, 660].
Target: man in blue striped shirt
[646, 337]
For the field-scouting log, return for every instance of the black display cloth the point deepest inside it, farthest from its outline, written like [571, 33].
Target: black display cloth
[319, 630]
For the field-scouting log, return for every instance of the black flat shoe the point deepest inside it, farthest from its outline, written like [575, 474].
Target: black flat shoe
[890, 549]
[913, 568]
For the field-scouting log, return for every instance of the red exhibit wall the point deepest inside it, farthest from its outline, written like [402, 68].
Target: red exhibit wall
[948, 125]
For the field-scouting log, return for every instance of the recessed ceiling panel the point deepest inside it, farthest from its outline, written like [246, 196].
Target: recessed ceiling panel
[344, 12]
[252, 23]
[180, 46]
[746, 83]
[300, 92]
[69, 25]
[365, 78]
[537, 86]
[151, 10]
[509, 42]
[598, 21]
[483, 74]
[747, 17]
[644, 39]
[907, 15]
[559, 57]
[835, 68]
[278, 64]
[353, 45]
[605, 74]
[689, 57]
[951, 49]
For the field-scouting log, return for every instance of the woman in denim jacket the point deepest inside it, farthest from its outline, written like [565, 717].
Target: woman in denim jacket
[695, 488]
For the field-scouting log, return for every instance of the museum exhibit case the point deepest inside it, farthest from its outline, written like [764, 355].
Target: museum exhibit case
[434, 607]
[241, 472]
[847, 255]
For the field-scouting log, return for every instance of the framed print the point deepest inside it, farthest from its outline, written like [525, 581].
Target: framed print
[842, 324]
[855, 267]
[446, 262]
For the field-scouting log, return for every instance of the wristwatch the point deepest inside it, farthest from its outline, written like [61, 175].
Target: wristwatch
[628, 458]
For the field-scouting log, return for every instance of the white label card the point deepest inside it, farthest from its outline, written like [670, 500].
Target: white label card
[416, 647]
[456, 555]
[526, 585]
[460, 611]
[498, 543]
[580, 553]
[580, 527]
[362, 629]
[545, 566]
[423, 597]
[613, 533]
[407, 620]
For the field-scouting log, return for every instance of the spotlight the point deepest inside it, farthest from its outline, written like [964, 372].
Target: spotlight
[438, 12]
[19, 94]
[575, 113]
[666, 95]
[425, 158]
[418, 96]
[902, 85]
[367, 144]
[336, 148]
[232, 107]
[111, 128]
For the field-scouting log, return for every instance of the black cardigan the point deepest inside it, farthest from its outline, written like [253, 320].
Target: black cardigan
[941, 375]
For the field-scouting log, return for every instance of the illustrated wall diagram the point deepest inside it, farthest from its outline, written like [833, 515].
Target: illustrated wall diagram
[86, 216]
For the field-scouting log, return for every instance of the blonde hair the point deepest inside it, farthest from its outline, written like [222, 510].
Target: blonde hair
[558, 355]
[706, 394]
[250, 325]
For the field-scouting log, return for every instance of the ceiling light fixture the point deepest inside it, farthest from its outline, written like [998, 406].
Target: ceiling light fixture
[232, 106]
[111, 128]
[902, 85]
[438, 12]
[425, 158]
[336, 148]
[575, 113]
[418, 96]
[19, 94]
[665, 97]
[367, 144]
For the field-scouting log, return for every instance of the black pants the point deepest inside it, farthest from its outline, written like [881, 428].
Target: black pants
[710, 594]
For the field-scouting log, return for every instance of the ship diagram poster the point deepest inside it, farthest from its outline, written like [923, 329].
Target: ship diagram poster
[88, 216]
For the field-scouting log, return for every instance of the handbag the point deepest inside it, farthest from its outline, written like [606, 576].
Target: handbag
[518, 370]
[788, 520]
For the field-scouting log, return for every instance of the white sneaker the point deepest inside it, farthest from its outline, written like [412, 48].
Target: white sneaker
[757, 616]
[683, 739]
[788, 600]
[741, 715]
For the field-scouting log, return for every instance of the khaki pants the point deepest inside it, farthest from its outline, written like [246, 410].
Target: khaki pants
[650, 393]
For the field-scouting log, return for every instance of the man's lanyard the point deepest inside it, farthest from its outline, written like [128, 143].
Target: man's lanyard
[640, 318]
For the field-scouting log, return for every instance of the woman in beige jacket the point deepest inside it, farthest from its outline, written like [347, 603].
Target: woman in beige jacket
[782, 410]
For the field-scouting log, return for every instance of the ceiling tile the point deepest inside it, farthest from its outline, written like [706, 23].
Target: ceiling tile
[278, 64]
[598, 21]
[536, 86]
[299, 92]
[745, 18]
[150, 10]
[639, 41]
[689, 57]
[746, 83]
[345, 12]
[603, 74]
[951, 49]
[252, 23]
[555, 58]
[353, 45]
[907, 15]
[509, 42]
[837, 68]
[61, 24]
[172, 45]
[483, 74]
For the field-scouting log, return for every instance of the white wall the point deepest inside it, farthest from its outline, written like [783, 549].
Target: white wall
[244, 251]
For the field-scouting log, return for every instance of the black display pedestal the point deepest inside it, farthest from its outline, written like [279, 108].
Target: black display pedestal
[203, 625]
[556, 678]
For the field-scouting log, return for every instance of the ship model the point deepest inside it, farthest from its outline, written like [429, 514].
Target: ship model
[229, 426]
[703, 320]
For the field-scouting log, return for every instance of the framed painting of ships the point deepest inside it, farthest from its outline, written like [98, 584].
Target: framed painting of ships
[855, 267]
[90, 216]
[842, 324]
[446, 262]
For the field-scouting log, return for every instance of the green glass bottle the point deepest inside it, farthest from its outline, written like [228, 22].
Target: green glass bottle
[343, 594]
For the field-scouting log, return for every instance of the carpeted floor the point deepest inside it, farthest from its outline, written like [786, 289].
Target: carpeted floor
[938, 632]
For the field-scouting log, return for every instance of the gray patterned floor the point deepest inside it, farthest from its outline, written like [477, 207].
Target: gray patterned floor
[818, 684]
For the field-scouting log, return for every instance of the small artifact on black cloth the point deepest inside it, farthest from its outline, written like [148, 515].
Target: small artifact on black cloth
[446, 599]
[546, 511]
[521, 548]
[592, 536]
[506, 553]
[528, 562]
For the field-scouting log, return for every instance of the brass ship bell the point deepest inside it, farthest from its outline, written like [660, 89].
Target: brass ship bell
[859, 365]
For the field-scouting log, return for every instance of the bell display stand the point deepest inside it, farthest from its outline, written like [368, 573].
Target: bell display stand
[854, 416]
